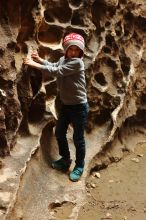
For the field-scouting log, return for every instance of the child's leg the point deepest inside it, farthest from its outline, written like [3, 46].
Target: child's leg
[79, 119]
[60, 132]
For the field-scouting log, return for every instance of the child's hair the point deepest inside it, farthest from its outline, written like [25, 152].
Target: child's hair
[74, 39]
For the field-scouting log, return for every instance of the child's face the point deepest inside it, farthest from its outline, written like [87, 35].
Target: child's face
[73, 52]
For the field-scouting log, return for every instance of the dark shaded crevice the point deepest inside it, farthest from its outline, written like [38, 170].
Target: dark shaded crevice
[111, 43]
[50, 34]
[49, 17]
[123, 2]
[106, 49]
[99, 166]
[141, 23]
[38, 102]
[56, 10]
[143, 99]
[118, 29]
[78, 18]
[101, 11]
[35, 80]
[111, 63]
[128, 17]
[4, 18]
[139, 119]
[75, 3]
[4, 147]
[125, 62]
[37, 108]
[100, 78]
[98, 10]
[51, 89]
[110, 102]
[27, 21]
[24, 95]
[57, 204]
[103, 117]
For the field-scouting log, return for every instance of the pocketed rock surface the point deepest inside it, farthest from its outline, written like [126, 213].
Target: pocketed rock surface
[115, 63]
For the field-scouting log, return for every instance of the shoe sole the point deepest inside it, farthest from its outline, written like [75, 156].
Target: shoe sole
[73, 180]
[61, 169]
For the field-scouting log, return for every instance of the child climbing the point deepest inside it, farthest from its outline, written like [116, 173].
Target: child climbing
[70, 74]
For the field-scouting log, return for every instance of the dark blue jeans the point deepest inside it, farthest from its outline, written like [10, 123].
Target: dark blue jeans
[77, 116]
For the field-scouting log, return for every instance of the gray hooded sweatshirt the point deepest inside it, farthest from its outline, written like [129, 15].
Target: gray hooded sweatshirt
[70, 79]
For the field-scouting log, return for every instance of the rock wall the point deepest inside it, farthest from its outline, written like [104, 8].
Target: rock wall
[115, 62]
[115, 59]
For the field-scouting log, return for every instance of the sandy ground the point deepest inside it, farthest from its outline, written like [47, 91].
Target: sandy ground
[119, 193]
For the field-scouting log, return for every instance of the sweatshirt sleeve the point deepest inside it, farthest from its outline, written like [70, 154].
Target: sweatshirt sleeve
[71, 66]
[47, 63]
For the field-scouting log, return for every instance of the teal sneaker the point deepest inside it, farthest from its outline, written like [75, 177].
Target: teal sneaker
[76, 174]
[61, 164]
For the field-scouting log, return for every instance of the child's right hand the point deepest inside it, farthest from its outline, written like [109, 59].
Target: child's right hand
[35, 56]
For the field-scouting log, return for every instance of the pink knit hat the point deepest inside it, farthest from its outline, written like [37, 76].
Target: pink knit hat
[73, 39]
